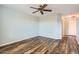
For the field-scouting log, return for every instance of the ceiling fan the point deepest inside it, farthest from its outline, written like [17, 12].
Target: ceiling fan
[41, 9]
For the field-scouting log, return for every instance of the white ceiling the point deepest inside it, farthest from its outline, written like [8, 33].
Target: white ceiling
[57, 8]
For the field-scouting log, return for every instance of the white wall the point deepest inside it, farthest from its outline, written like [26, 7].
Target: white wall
[59, 26]
[17, 26]
[0, 24]
[72, 26]
[69, 25]
[78, 30]
[51, 26]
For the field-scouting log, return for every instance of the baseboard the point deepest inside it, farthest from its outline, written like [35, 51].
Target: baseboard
[15, 41]
[23, 39]
[78, 41]
[50, 37]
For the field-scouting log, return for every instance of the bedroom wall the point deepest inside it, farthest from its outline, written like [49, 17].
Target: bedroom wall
[0, 23]
[51, 26]
[17, 26]
[78, 30]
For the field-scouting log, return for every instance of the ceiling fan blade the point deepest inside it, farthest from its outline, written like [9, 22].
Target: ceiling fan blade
[35, 11]
[41, 12]
[49, 10]
[33, 7]
[40, 6]
[44, 6]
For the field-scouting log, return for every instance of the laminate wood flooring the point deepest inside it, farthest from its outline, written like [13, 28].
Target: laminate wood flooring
[41, 45]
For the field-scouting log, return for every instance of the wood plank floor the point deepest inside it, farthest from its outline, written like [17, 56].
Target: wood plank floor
[41, 45]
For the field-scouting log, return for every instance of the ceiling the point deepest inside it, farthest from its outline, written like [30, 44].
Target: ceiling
[56, 8]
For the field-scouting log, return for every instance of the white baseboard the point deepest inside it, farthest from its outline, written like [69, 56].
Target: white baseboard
[23, 39]
[15, 41]
[50, 37]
